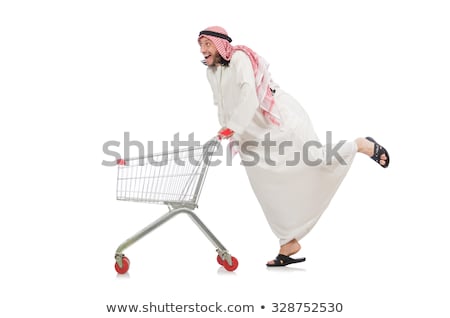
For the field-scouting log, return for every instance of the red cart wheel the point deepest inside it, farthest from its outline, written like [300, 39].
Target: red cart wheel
[125, 266]
[233, 266]
[219, 260]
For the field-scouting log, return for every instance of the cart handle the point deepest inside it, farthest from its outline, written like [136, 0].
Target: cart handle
[225, 133]
[121, 162]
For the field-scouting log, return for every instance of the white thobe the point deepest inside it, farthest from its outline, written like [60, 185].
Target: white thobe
[294, 179]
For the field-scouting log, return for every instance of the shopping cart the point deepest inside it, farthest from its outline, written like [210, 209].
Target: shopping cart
[174, 178]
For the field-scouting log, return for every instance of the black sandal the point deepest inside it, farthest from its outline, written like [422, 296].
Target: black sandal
[378, 151]
[283, 260]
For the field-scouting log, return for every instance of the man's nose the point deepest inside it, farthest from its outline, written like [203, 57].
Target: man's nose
[202, 48]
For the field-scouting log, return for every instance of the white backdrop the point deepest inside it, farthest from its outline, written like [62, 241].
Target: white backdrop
[74, 75]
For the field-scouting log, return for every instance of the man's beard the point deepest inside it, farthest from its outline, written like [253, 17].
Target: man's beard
[217, 59]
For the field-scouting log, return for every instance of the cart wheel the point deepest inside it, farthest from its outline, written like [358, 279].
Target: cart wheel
[125, 266]
[233, 266]
[219, 260]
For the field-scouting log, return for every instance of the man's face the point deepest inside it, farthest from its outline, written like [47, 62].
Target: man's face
[209, 52]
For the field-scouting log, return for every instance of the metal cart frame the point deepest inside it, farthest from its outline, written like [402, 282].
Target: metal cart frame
[174, 178]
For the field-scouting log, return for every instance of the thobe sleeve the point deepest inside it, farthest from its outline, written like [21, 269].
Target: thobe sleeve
[213, 85]
[247, 100]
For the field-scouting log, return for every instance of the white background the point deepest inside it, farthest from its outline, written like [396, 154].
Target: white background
[75, 74]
